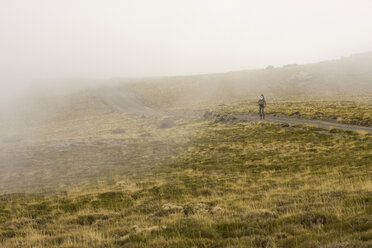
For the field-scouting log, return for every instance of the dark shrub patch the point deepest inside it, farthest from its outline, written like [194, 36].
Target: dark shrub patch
[112, 200]
[192, 229]
[7, 235]
[36, 210]
[167, 191]
[312, 219]
[236, 229]
[69, 207]
[90, 219]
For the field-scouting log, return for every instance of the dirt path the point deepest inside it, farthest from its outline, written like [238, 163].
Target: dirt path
[125, 100]
[293, 120]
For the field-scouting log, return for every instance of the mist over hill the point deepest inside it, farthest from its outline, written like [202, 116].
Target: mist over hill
[345, 76]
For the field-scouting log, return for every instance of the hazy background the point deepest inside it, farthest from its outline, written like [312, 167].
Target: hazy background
[42, 40]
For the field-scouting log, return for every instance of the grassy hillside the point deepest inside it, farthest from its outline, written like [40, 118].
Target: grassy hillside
[350, 76]
[238, 185]
[137, 166]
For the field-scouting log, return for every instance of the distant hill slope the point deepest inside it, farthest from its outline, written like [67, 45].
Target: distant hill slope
[348, 75]
[149, 96]
[125, 99]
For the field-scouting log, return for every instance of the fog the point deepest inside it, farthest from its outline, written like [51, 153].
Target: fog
[50, 48]
[42, 40]
[82, 80]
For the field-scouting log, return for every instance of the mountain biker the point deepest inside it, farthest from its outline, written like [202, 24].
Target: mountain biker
[262, 104]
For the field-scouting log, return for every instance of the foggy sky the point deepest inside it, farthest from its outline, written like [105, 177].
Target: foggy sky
[124, 38]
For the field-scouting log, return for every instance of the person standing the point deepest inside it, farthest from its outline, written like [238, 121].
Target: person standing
[262, 105]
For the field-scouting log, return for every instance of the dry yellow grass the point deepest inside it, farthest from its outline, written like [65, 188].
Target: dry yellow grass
[232, 184]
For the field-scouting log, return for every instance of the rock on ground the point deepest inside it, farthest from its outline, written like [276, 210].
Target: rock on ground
[166, 123]
[118, 131]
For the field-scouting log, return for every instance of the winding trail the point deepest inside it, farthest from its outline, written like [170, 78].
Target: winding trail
[125, 100]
